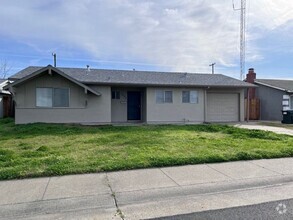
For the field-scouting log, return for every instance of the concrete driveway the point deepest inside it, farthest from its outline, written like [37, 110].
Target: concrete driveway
[278, 130]
[148, 193]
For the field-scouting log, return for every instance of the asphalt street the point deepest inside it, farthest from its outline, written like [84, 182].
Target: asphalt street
[282, 209]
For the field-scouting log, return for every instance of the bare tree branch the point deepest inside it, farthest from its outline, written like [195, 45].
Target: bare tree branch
[4, 69]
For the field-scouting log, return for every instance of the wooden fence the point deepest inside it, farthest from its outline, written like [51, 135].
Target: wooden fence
[8, 107]
[254, 109]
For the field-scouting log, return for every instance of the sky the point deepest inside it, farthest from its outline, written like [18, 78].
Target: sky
[155, 35]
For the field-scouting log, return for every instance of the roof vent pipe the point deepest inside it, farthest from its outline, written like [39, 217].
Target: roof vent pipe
[54, 55]
[88, 68]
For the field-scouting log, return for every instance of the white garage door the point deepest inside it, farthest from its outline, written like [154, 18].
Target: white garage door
[222, 107]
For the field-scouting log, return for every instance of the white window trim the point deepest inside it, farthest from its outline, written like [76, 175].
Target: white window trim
[52, 96]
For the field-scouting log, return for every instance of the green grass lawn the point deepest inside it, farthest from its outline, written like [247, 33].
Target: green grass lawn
[49, 149]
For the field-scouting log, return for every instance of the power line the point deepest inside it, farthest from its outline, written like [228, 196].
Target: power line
[97, 61]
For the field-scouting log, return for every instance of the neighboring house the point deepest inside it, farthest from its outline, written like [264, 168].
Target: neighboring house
[4, 99]
[275, 95]
[74, 95]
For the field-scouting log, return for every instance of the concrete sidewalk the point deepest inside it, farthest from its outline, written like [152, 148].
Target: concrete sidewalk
[278, 130]
[148, 193]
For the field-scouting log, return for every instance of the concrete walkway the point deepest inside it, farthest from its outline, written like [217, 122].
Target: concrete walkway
[148, 193]
[278, 130]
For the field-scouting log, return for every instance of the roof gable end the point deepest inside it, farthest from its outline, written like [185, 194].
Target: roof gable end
[50, 68]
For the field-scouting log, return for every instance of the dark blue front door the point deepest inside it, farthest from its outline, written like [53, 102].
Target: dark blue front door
[133, 105]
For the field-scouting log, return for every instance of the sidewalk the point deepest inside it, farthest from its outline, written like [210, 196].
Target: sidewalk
[148, 193]
[278, 130]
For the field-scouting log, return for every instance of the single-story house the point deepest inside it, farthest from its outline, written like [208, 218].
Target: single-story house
[5, 97]
[275, 96]
[75, 95]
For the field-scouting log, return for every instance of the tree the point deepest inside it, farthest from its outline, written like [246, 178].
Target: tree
[4, 69]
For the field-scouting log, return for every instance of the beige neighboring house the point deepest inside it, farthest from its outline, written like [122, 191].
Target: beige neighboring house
[96, 96]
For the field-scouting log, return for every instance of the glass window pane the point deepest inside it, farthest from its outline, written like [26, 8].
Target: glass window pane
[291, 102]
[44, 97]
[193, 97]
[168, 97]
[117, 95]
[159, 96]
[185, 96]
[61, 97]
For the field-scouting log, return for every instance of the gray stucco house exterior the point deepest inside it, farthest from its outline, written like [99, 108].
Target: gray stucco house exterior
[93, 96]
[275, 95]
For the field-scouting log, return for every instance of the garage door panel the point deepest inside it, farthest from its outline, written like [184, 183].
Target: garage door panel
[222, 107]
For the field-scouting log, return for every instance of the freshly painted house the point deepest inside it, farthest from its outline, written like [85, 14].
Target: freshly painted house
[275, 96]
[74, 95]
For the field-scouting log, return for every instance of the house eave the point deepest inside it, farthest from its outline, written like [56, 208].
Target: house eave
[273, 87]
[50, 68]
[124, 84]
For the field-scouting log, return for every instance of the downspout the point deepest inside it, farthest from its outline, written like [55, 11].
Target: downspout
[205, 106]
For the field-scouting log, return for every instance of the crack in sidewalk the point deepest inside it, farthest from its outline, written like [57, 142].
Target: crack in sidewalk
[43, 196]
[118, 210]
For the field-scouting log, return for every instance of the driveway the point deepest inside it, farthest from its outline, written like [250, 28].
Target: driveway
[253, 126]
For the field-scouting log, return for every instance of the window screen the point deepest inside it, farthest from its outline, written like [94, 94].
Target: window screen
[52, 97]
[44, 97]
[190, 97]
[168, 97]
[164, 96]
[61, 97]
[185, 97]
[193, 97]
[160, 96]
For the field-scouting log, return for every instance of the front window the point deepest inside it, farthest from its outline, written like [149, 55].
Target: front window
[44, 97]
[168, 97]
[190, 97]
[291, 101]
[164, 96]
[52, 97]
[61, 97]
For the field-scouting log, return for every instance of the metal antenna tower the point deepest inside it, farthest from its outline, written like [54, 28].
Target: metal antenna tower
[242, 36]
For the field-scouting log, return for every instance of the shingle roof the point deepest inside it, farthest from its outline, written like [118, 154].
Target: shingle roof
[286, 85]
[2, 80]
[126, 77]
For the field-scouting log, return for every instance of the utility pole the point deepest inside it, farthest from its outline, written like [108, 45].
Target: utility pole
[212, 65]
[242, 36]
[54, 55]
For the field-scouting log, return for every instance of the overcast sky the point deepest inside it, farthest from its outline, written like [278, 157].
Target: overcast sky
[164, 35]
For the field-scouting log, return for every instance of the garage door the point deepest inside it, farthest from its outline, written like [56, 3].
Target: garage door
[222, 107]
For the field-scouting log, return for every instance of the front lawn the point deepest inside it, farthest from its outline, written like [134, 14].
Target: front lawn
[49, 149]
